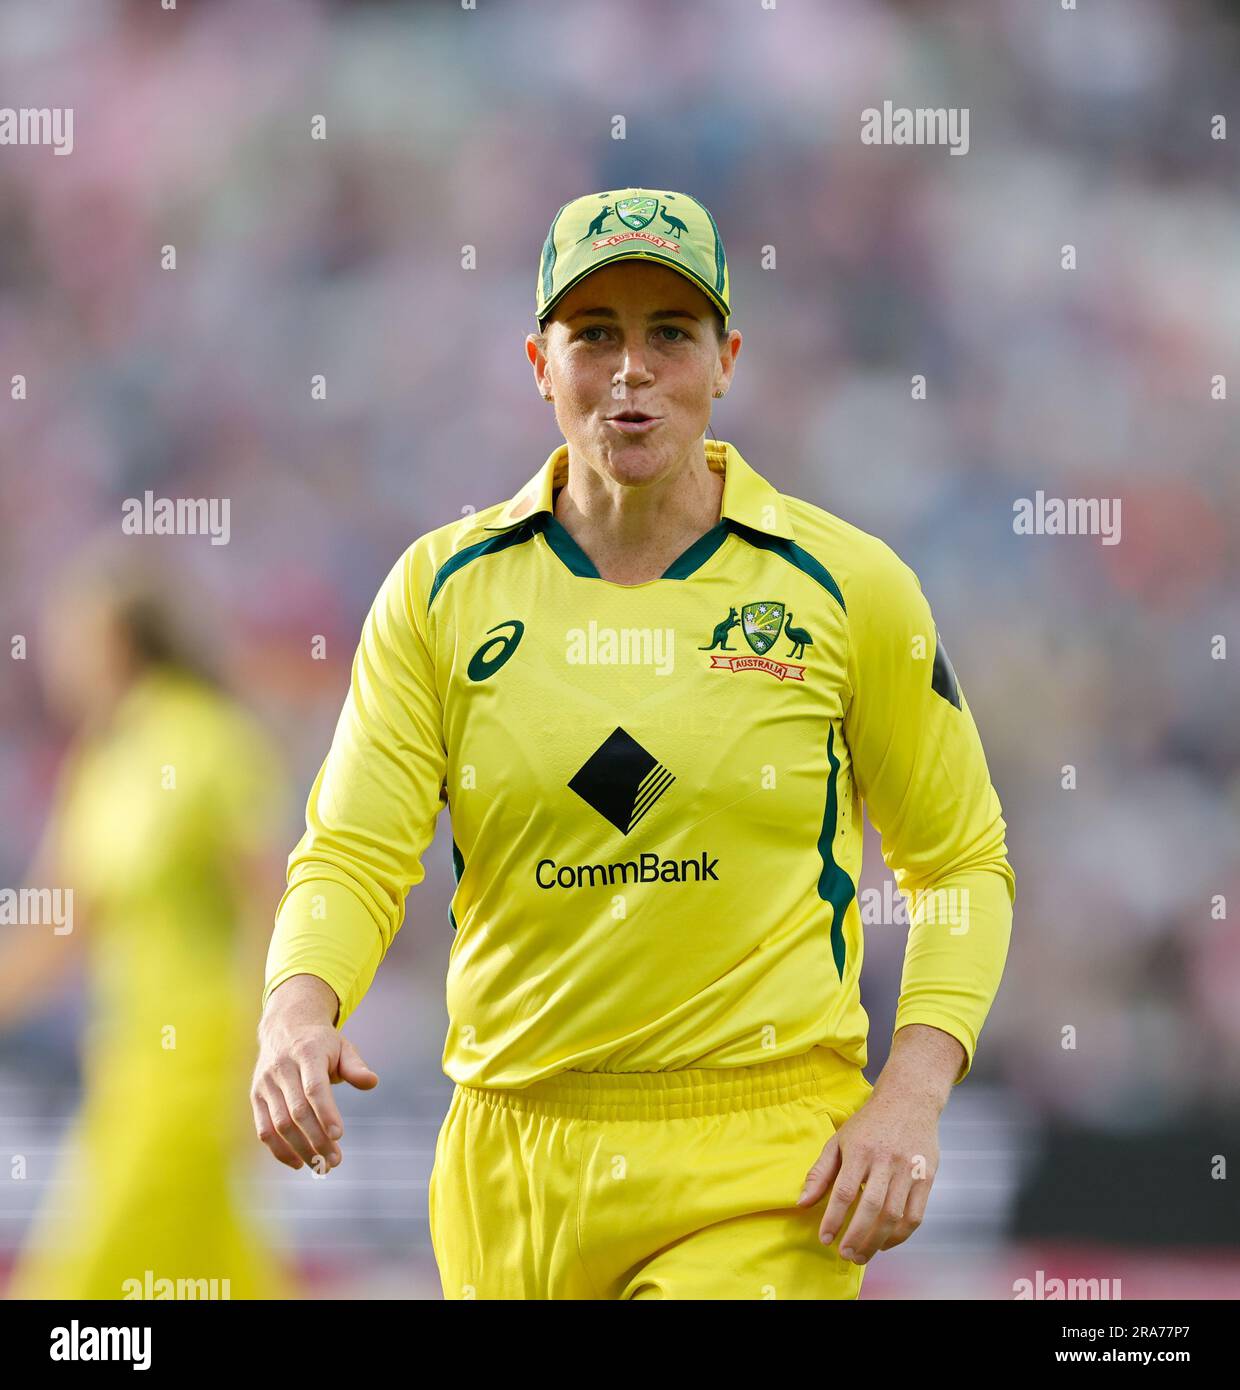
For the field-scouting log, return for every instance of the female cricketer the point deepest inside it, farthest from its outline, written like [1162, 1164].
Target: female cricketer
[167, 788]
[653, 692]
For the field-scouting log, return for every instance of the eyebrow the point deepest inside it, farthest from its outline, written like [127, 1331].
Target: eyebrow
[605, 313]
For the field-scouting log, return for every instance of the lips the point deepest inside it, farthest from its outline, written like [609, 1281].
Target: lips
[634, 422]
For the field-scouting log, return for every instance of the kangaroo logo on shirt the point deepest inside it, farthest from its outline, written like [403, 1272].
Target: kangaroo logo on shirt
[762, 623]
[720, 639]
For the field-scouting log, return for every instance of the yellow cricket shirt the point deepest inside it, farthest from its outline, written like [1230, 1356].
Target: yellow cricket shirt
[655, 793]
[151, 814]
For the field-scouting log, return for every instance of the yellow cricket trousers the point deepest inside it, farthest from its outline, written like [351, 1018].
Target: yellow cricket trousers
[674, 1184]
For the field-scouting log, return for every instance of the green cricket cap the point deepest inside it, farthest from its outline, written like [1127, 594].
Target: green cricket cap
[632, 224]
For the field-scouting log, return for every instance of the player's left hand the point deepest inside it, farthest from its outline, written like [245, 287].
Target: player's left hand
[886, 1153]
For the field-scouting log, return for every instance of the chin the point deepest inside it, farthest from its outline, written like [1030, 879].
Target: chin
[638, 461]
[636, 472]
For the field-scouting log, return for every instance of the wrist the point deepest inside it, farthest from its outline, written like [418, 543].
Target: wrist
[923, 1065]
[299, 1002]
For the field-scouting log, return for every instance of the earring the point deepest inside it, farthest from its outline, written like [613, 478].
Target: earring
[546, 398]
[718, 394]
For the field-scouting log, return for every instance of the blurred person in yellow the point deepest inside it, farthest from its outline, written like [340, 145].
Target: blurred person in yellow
[654, 692]
[167, 797]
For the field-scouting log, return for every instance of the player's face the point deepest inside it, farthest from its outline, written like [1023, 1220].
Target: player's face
[83, 659]
[633, 338]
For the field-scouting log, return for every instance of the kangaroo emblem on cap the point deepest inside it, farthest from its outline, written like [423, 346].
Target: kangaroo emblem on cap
[596, 227]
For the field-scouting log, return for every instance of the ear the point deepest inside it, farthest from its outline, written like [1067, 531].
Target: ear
[534, 349]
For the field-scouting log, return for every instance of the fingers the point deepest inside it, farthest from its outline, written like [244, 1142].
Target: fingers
[352, 1069]
[888, 1227]
[268, 1133]
[318, 1092]
[819, 1177]
[864, 1181]
[844, 1192]
[294, 1072]
[879, 1169]
[915, 1207]
[914, 1210]
[890, 1210]
[284, 1126]
[294, 1110]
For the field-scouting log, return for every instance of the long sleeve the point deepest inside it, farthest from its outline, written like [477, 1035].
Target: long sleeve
[372, 808]
[919, 766]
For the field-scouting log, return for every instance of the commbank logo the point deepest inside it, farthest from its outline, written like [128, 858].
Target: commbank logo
[621, 780]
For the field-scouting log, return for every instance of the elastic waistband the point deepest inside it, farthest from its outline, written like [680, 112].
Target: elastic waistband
[651, 1095]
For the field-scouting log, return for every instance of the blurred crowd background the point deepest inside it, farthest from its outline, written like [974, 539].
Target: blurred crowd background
[449, 127]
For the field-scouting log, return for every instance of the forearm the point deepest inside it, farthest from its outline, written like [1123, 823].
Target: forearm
[302, 999]
[323, 928]
[923, 1064]
[957, 947]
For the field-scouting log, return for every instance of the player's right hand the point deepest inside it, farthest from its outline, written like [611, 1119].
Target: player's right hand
[294, 1112]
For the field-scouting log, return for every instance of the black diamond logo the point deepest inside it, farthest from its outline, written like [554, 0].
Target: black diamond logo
[621, 780]
[943, 680]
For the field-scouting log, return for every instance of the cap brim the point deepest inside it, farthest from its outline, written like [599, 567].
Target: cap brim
[694, 279]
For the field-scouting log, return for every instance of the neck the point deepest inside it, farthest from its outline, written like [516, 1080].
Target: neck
[632, 534]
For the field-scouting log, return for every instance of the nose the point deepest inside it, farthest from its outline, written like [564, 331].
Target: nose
[633, 370]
